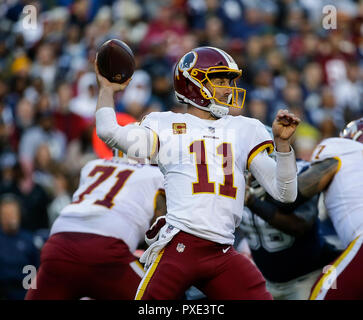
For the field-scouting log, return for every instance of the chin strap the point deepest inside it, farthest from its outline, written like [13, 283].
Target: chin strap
[218, 110]
[357, 135]
[215, 109]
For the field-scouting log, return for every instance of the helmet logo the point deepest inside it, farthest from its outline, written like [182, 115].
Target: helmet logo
[188, 61]
[353, 130]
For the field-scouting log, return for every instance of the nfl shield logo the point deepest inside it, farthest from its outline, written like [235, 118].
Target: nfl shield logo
[180, 247]
[169, 229]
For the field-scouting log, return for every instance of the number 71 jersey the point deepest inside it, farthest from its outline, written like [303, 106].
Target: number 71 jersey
[114, 199]
[203, 162]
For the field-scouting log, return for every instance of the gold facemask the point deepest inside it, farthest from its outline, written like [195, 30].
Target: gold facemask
[238, 95]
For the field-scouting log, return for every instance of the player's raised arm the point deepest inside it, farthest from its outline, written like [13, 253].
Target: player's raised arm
[134, 140]
[279, 178]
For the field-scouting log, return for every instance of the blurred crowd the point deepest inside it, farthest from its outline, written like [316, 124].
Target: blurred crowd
[48, 90]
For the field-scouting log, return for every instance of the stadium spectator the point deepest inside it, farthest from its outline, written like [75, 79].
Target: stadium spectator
[62, 188]
[33, 198]
[349, 93]
[84, 103]
[45, 66]
[43, 132]
[71, 124]
[137, 97]
[79, 152]
[17, 249]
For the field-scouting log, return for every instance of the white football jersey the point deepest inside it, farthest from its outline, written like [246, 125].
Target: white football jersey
[203, 162]
[114, 199]
[344, 196]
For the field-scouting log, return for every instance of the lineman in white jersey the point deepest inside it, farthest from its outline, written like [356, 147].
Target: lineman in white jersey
[343, 198]
[337, 170]
[203, 155]
[89, 252]
[129, 213]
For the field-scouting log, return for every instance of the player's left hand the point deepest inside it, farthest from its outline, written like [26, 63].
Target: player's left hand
[284, 125]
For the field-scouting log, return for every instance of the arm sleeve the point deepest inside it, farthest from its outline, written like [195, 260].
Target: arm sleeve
[278, 178]
[135, 141]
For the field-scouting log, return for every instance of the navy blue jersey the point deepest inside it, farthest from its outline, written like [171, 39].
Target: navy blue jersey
[282, 257]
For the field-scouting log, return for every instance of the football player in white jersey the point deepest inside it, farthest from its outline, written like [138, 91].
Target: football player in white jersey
[203, 155]
[90, 249]
[337, 170]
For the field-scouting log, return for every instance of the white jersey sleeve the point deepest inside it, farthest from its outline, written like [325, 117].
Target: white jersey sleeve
[279, 178]
[261, 141]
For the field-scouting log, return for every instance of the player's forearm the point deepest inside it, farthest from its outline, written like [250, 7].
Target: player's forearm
[288, 223]
[317, 177]
[278, 178]
[133, 140]
[105, 98]
[282, 145]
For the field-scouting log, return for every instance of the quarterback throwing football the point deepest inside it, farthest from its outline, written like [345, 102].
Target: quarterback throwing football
[203, 155]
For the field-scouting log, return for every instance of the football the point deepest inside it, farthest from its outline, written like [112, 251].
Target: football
[115, 61]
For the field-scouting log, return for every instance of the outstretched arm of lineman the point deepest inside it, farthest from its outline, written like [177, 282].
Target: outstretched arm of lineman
[279, 178]
[133, 140]
[289, 223]
[318, 177]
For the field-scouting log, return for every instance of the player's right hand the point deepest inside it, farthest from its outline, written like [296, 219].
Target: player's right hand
[103, 83]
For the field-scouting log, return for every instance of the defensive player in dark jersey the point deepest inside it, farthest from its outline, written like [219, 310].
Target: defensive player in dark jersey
[285, 241]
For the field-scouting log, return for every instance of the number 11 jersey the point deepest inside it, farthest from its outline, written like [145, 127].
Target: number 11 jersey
[203, 162]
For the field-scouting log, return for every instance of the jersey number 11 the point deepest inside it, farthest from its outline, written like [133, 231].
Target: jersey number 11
[203, 185]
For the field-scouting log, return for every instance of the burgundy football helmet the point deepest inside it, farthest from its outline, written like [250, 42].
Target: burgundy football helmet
[196, 68]
[353, 130]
